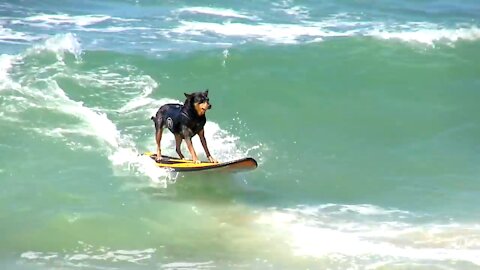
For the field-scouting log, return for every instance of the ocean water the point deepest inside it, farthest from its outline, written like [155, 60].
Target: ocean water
[363, 116]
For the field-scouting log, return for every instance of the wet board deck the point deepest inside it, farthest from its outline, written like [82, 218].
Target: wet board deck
[183, 165]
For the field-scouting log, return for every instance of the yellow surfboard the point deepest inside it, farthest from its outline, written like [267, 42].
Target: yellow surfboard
[183, 165]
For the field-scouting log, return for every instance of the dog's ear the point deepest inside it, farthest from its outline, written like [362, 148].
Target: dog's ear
[206, 92]
[187, 95]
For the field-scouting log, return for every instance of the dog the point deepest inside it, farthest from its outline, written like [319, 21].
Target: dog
[184, 121]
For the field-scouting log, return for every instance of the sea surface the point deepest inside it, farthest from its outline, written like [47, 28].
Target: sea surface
[364, 117]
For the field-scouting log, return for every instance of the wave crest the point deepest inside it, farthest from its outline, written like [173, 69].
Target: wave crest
[370, 235]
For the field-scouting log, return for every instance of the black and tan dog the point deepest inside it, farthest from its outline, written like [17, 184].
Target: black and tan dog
[184, 121]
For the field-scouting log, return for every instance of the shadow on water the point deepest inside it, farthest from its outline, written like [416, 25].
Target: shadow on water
[206, 187]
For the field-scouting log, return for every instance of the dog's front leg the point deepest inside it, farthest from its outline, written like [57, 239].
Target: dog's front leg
[201, 134]
[188, 140]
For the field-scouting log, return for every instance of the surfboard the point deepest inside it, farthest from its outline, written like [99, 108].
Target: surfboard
[183, 165]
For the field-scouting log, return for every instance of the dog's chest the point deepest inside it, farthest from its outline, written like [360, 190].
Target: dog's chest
[196, 126]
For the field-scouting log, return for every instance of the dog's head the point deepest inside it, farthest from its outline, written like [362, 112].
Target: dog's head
[199, 101]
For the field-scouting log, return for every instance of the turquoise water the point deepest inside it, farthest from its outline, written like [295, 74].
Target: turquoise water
[363, 118]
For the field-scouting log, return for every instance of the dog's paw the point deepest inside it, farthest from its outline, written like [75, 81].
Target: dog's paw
[212, 160]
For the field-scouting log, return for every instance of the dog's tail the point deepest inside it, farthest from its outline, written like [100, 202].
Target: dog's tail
[152, 118]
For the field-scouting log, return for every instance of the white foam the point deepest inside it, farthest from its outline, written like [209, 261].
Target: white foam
[143, 100]
[8, 36]
[359, 209]
[189, 265]
[142, 103]
[429, 36]
[298, 12]
[116, 29]
[337, 25]
[98, 123]
[222, 12]
[88, 254]
[275, 33]
[32, 255]
[60, 44]
[222, 145]
[126, 77]
[131, 160]
[352, 236]
[121, 149]
[6, 64]
[93, 124]
[51, 20]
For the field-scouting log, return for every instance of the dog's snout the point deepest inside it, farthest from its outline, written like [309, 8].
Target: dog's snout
[209, 106]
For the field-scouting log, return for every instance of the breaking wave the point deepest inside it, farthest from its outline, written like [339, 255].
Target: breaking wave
[88, 128]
